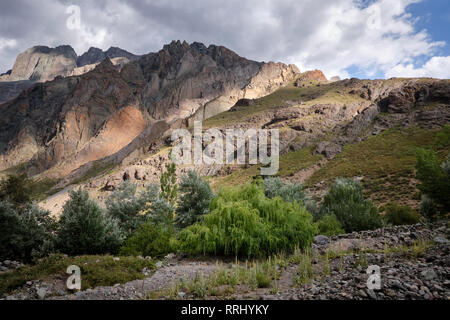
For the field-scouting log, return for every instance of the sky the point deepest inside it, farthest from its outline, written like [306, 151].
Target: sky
[348, 38]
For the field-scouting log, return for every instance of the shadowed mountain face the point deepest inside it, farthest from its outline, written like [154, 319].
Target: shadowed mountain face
[63, 124]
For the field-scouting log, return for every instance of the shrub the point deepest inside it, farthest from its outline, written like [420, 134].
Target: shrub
[124, 205]
[150, 240]
[85, 229]
[398, 215]
[346, 201]
[26, 234]
[329, 225]
[244, 222]
[133, 209]
[162, 212]
[11, 242]
[289, 192]
[442, 138]
[435, 179]
[38, 233]
[427, 208]
[15, 189]
[195, 197]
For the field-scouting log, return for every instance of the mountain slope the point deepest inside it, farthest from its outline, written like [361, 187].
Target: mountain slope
[59, 126]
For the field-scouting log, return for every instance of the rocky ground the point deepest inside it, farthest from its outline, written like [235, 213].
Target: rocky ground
[414, 263]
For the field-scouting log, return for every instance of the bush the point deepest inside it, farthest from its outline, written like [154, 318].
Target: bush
[126, 205]
[398, 215]
[15, 189]
[442, 138]
[38, 233]
[427, 208]
[346, 201]
[11, 242]
[26, 234]
[244, 222]
[85, 229]
[435, 179]
[195, 197]
[329, 225]
[289, 192]
[162, 212]
[150, 239]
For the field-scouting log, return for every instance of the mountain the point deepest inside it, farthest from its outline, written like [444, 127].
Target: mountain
[42, 63]
[110, 121]
[59, 126]
[362, 129]
[95, 55]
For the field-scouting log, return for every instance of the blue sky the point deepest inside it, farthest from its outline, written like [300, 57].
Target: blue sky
[349, 38]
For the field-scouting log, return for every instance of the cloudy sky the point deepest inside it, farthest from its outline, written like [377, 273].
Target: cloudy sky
[360, 38]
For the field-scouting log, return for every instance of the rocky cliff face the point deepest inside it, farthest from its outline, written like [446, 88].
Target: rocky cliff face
[42, 63]
[64, 124]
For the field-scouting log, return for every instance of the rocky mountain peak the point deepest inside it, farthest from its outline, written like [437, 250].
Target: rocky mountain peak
[42, 63]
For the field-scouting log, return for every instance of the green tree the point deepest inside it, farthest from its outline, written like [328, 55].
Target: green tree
[346, 201]
[25, 234]
[434, 178]
[194, 201]
[126, 205]
[244, 222]
[11, 241]
[168, 183]
[85, 229]
[16, 190]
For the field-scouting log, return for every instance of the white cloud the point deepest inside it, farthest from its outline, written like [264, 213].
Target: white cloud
[7, 43]
[436, 67]
[332, 35]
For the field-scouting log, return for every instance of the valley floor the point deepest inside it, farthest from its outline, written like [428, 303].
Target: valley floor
[414, 263]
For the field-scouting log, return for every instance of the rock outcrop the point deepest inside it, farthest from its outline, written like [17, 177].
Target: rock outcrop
[42, 63]
[309, 77]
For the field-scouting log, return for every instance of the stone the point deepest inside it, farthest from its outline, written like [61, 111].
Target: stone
[328, 149]
[428, 274]
[371, 294]
[41, 293]
[321, 240]
[159, 264]
[440, 240]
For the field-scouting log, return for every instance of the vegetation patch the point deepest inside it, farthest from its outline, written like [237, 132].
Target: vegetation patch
[95, 271]
[290, 163]
[385, 162]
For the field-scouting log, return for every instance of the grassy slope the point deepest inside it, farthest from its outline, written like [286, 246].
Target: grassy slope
[290, 163]
[386, 163]
[325, 93]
